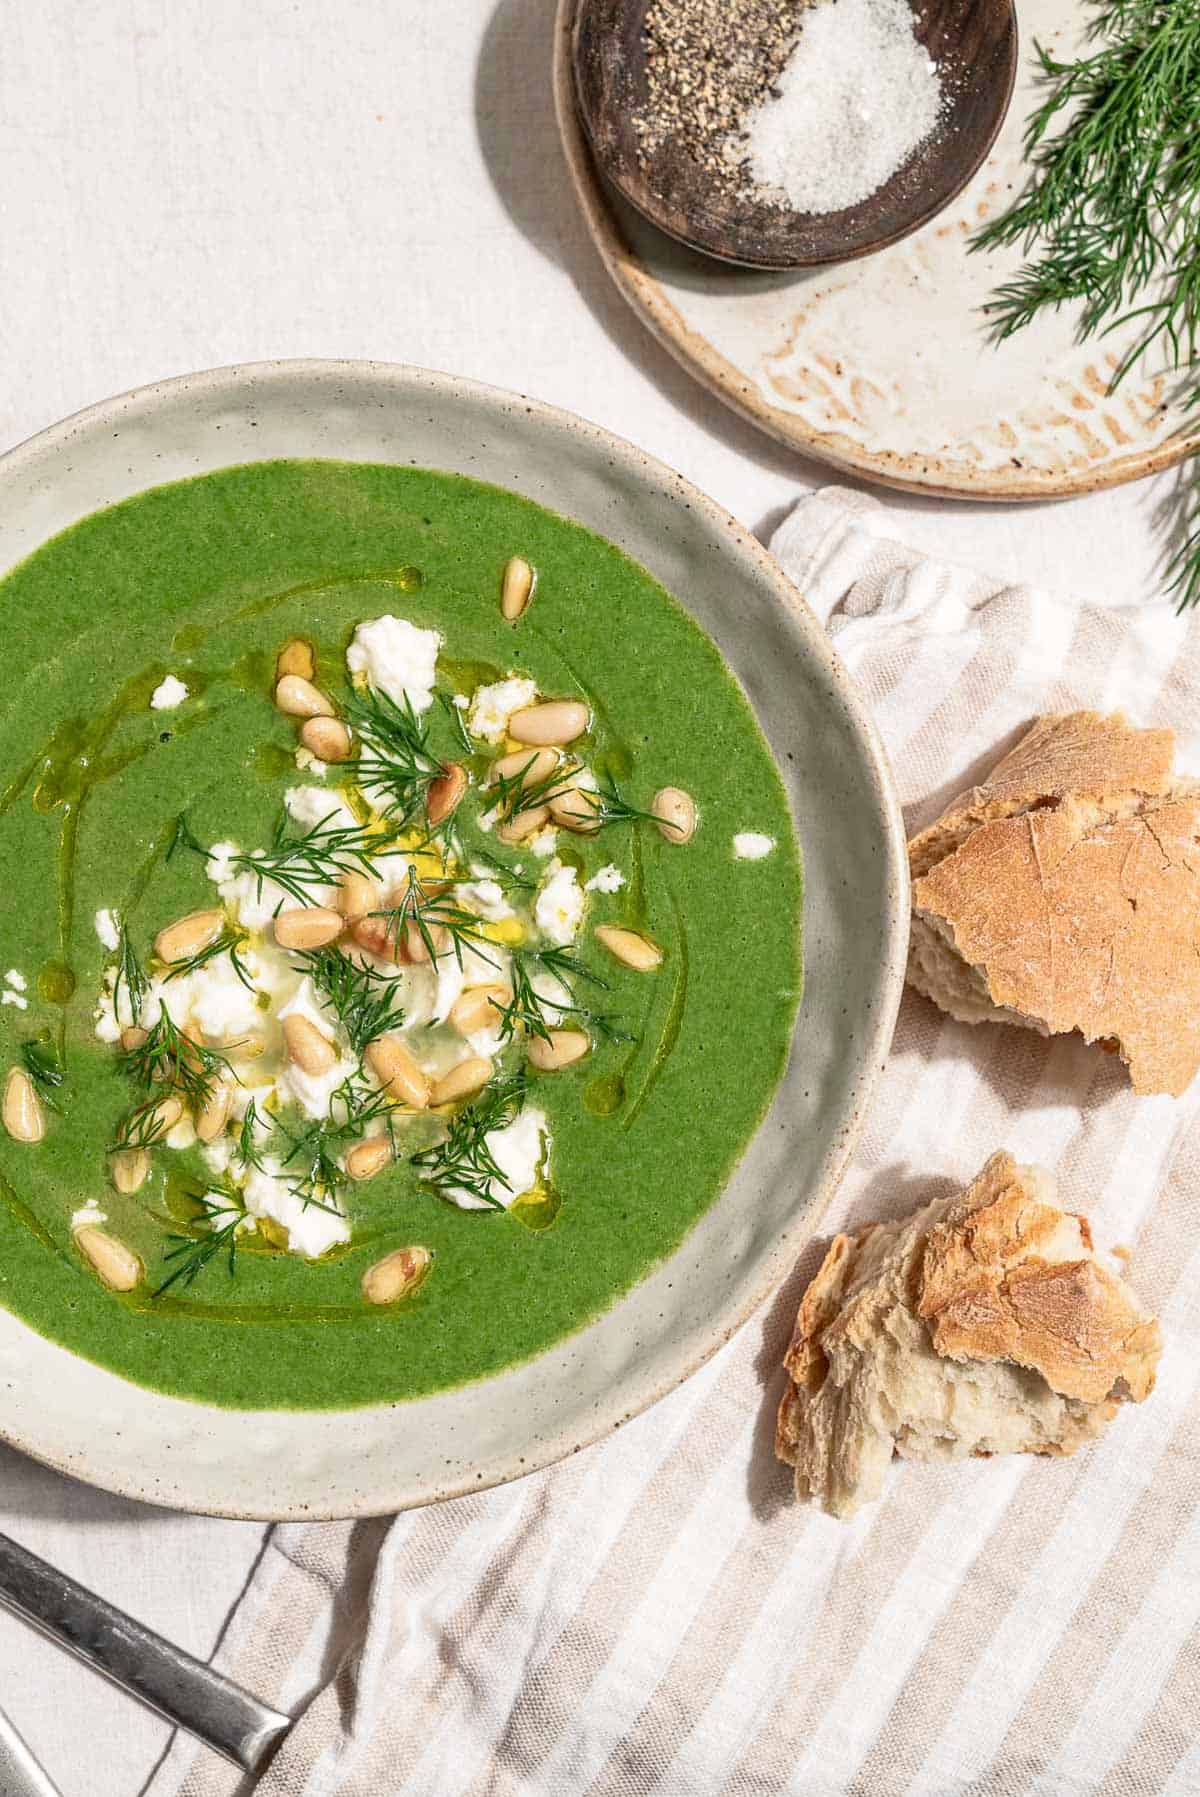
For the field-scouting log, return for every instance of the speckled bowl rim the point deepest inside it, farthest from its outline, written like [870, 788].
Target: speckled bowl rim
[693, 351]
[168, 1486]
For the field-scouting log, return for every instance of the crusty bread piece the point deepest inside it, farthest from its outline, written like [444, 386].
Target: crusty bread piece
[983, 1324]
[1063, 894]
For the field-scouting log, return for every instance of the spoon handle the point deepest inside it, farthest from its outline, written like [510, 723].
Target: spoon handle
[21, 1772]
[158, 1674]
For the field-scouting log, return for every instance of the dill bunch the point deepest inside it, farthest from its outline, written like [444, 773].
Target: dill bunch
[1111, 215]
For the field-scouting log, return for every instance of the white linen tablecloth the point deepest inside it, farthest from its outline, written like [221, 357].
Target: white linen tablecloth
[185, 186]
[656, 1615]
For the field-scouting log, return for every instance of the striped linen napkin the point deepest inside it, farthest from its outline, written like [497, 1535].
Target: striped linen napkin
[655, 1616]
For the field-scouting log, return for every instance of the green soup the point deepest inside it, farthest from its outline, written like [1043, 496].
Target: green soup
[206, 580]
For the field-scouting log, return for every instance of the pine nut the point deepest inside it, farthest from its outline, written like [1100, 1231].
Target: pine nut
[133, 1037]
[629, 948]
[478, 1008]
[118, 1267]
[445, 792]
[312, 926]
[312, 1052]
[326, 738]
[297, 697]
[155, 1120]
[559, 721]
[533, 765]
[357, 895]
[368, 1158]
[24, 1118]
[516, 587]
[296, 657]
[396, 1275]
[213, 1116]
[128, 1169]
[398, 1073]
[180, 940]
[576, 806]
[463, 1081]
[676, 813]
[376, 935]
[563, 1048]
[526, 823]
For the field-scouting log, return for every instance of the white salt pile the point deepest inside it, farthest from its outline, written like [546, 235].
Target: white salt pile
[857, 96]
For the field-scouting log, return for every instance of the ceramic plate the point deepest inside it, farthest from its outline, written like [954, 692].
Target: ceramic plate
[882, 367]
[272, 1464]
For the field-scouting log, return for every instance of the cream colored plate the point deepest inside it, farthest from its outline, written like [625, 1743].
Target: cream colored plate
[883, 367]
[280, 1463]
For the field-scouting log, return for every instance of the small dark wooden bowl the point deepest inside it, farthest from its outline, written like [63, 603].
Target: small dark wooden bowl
[974, 43]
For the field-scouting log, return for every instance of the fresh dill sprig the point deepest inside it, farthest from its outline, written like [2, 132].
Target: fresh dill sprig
[230, 942]
[1111, 215]
[364, 1000]
[215, 1228]
[537, 1014]
[298, 862]
[464, 1160]
[130, 974]
[314, 1151]
[458, 722]
[395, 767]
[443, 926]
[605, 801]
[42, 1064]
[507, 878]
[248, 1149]
[182, 837]
[169, 1058]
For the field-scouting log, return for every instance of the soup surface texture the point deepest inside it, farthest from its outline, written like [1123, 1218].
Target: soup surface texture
[140, 730]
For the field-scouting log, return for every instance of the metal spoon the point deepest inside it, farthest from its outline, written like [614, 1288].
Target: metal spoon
[158, 1674]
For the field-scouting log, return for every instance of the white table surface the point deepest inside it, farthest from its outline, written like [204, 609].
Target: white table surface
[189, 185]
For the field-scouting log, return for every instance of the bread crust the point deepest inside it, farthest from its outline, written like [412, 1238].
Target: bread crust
[1063, 894]
[983, 1324]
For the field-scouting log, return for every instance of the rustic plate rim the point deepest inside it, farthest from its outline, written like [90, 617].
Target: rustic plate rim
[648, 299]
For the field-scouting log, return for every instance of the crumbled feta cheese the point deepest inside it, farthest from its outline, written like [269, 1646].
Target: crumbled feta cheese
[108, 929]
[461, 701]
[17, 979]
[748, 845]
[485, 896]
[606, 879]
[398, 658]
[214, 1000]
[217, 1155]
[312, 805]
[309, 763]
[267, 1192]
[492, 706]
[519, 1151]
[9, 997]
[543, 842]
[89, 1216]
[558, 908]
[168, 694]
[253, 902]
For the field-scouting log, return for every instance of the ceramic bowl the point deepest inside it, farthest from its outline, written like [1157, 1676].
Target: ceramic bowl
[280, 1464]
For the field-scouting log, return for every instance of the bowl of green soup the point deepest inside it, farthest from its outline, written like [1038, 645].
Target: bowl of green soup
[455, 914]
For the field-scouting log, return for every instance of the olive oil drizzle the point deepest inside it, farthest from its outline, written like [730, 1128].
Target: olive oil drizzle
[672, 1023]
[405, 579]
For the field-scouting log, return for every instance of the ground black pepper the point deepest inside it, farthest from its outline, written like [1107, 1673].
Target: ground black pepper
[708, 64]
